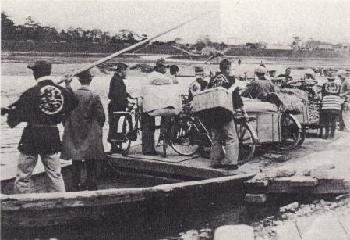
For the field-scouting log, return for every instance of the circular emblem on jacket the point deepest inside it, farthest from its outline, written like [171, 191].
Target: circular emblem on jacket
[51, 100]
[195, 87]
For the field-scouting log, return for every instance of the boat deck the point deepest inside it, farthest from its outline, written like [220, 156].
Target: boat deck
[174, 165]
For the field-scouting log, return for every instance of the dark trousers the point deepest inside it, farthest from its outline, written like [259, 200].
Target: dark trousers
[329, 121]
[341, 120]
[91, 172]
[148, 128]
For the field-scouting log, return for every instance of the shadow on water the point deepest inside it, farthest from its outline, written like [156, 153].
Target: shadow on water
[164, 219]
[157, 218]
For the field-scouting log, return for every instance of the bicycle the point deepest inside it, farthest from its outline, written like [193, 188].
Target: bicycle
[187, 135]
[184, 133]
[130, 124]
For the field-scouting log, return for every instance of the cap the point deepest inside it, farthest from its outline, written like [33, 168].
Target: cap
[84, 75]
[160, 62]
[40, 66]
[174, 68]
[121, 66]
[341, 73]
[260, 70]
[225, 63]
[198, 69]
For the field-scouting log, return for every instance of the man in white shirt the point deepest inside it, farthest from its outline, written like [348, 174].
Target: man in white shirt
[155, 98]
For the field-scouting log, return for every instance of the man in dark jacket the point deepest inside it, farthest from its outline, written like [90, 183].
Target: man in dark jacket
[43, 107]
[82, 136]
[118, 97]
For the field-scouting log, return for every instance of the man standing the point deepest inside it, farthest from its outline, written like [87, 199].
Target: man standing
[331, 106]
[82, 137]
[225, 144]
[174, 70]
[118, 97]
[157, 77]
[345, 94]
[43, 107]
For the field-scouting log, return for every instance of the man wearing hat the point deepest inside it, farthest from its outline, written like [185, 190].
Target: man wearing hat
[199, 84]
[261, 87]
[42, 107]
[118, 102]
[331, 106]
[82, 137]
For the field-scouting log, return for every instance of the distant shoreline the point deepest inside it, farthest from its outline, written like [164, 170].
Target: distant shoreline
[12, 49]
[73, 57]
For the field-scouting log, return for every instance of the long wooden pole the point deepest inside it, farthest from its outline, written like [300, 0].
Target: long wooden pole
[102, 60]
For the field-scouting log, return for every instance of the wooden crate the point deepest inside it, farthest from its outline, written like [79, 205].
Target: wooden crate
[267, 126]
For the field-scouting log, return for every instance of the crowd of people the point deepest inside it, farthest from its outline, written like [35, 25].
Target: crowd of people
[81, 112]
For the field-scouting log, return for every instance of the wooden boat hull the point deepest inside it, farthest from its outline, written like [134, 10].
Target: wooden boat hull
[45, 209]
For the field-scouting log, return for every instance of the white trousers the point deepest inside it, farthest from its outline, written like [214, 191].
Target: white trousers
[225, 144]
[25, 168]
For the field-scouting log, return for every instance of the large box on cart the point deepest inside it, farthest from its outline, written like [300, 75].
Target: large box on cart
[267, 120]
[267, 126]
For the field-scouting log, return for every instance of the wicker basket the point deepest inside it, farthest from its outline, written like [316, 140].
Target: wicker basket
[213, 99]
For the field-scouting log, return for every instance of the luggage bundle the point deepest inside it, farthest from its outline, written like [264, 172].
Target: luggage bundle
[214, 99]
[214, 106]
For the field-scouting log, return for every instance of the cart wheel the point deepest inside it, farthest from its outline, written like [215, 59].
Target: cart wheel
[291, 132]
[247, 142]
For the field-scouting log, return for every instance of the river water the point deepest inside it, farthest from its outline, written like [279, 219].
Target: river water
[185, 223]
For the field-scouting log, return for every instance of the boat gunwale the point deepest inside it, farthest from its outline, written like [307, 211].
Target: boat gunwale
[60, 200]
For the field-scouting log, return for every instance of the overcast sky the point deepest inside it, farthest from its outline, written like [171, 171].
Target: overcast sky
[239, 20]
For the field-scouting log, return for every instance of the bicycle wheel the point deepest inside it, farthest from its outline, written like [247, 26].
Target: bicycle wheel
[247, 142]
[125, 135]
[184, 136]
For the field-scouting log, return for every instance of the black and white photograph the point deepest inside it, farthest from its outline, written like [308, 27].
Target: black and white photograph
[175, 120]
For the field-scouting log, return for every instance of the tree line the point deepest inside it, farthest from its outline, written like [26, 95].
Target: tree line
[32, 30]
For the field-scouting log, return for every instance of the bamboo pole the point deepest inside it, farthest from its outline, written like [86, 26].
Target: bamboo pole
[102, 60]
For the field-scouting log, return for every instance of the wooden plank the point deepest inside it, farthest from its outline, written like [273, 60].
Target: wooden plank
[324, 227]
[291, 184]
[288, 231]
[237, 232]
[209, 183]
[255, 198]
[344, 221]
[43, 201]
[256, 186]
[336, 186]
[170, 169]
